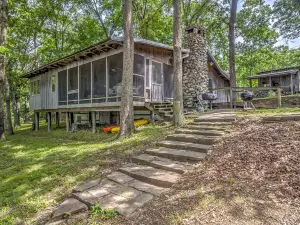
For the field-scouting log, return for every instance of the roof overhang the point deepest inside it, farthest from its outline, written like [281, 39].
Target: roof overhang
[95, 49]
[274, 74]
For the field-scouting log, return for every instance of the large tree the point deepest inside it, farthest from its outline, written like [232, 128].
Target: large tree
[4, 9]
[178, 96]
[287, 18]
[126, 110]
[231, 36]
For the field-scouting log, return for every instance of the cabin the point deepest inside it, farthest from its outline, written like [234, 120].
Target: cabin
[286, 78]
[86, 87]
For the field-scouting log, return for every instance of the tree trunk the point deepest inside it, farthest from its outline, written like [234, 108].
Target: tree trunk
[8, 110]
[36, 64]
[178, 118]
[126, 110]
[17, 110]
[231, 37]
[27, 115]
[2, 65]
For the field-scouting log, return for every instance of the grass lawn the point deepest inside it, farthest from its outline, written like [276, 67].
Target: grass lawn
[39, 169]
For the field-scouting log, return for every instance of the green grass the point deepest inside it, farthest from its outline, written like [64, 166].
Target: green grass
[265, 112]
[39, 169]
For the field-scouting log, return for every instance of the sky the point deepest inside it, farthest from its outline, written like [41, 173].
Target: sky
[291, 43]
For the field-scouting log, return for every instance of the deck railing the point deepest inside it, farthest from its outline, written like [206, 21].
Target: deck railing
[231, 94]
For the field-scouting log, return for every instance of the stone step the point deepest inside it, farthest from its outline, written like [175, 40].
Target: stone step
[212, 123]
[216, 119]
[112, 195]
[184, 146]
[200, 127]
[139, 185]
[192, 138]
[200, 132]
[151, 175]
[177, 154]
[162, 163]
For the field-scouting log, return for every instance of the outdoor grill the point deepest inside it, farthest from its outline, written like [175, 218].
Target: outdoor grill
[247, 96]
[210, 97]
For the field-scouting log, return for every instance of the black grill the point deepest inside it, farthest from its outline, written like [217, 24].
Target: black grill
[209, 96]
[247, 96]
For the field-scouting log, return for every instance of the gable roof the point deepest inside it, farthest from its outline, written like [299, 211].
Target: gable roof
[105, 46]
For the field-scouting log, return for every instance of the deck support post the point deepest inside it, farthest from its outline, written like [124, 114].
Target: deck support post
[72, 118]
[67, 122]
[90, 119]
[36, 121]
[57, 119]
[94, 122]
[292, 84]
[49, 114]
[251, 83]
[279, 97]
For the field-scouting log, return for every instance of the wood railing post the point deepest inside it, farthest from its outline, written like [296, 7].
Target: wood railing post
[279, 97]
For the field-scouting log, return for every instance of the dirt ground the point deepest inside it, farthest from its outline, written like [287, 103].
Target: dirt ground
[252, 176]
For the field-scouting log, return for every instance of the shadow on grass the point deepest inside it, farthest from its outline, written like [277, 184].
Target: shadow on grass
[39, 169]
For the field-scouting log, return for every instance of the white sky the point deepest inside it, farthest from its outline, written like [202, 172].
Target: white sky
[292, 43]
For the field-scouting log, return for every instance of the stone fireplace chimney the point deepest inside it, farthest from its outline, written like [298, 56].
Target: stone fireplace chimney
[195, 68]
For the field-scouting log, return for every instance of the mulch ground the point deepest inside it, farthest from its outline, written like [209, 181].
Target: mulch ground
[252, 176]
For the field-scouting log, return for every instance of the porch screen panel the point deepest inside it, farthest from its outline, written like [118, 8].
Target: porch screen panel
[99, 80]
[157, 87]
[138, 77]
[73, 85]
[62, 87]
[85, 83]
[168, 81]
[115, 71]
[147, 73]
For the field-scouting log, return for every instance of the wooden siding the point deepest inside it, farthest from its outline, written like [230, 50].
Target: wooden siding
[218, 82]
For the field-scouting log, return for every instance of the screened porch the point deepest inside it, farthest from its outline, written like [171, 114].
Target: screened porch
[100, 81]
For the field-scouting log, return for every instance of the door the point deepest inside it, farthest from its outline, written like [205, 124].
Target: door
[157, 82]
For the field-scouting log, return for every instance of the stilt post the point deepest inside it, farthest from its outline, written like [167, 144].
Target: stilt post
[49, 121]
[94, 122]
[57, 119]
[37, 120]
[67, 122]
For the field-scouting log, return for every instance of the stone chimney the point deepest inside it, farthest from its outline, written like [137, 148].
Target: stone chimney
[195, 68]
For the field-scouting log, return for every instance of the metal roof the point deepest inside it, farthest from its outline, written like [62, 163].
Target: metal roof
[105, 46]
[274, 74]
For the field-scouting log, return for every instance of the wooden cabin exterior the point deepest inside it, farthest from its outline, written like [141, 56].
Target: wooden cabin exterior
[287, 78]
[90, 80]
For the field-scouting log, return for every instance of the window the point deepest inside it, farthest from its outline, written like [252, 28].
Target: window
[99, 80]
[53, 79]
[62, 87]
[210, 85]
[115, 71]
[168, 81]
[85, 83]
[38, 87]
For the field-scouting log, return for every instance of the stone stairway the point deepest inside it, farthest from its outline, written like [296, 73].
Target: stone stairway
[151, 173]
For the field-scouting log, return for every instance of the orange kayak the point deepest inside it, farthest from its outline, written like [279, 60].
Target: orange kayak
[108, 129]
